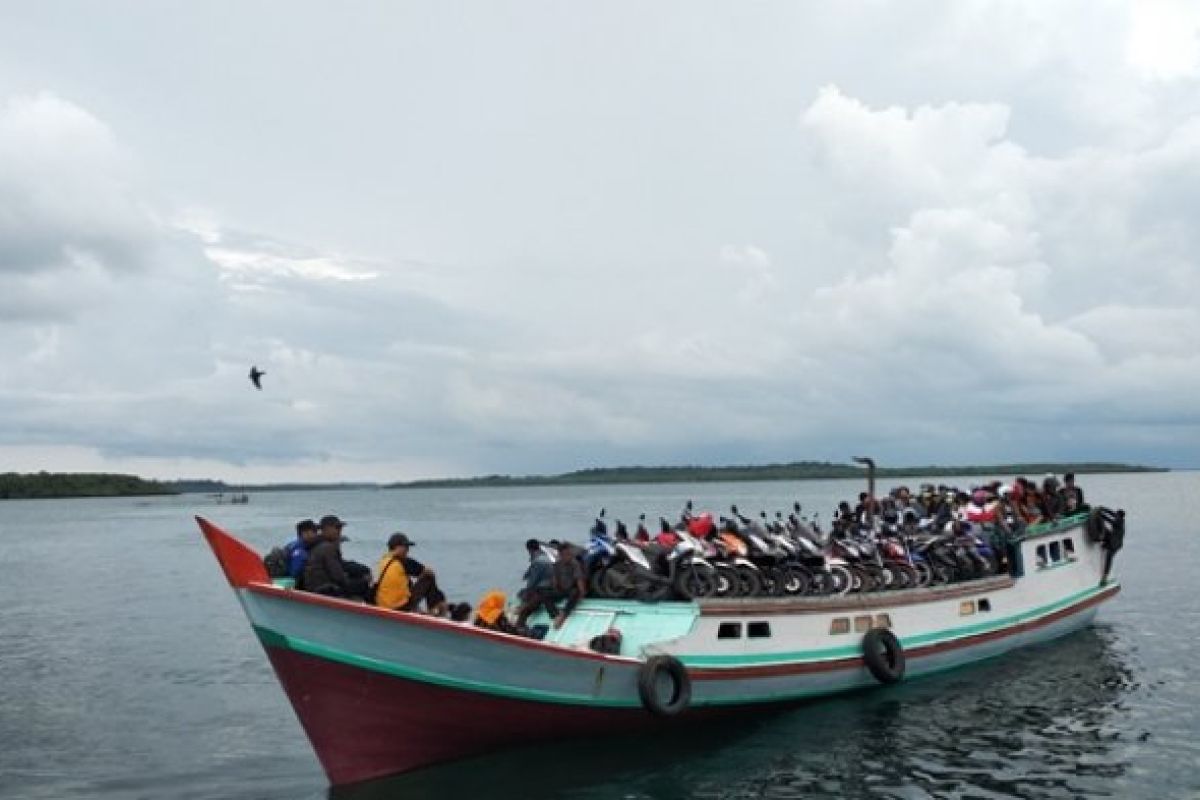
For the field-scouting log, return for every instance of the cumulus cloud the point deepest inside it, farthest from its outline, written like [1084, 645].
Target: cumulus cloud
[1010, 278]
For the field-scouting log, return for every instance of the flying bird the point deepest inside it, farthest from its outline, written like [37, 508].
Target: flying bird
[256, 377]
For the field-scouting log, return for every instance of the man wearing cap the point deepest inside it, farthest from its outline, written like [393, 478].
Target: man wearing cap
[404, 582]
[327, 572]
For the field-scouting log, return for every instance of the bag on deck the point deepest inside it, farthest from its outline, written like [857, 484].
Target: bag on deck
[608, 642]
[276, 563]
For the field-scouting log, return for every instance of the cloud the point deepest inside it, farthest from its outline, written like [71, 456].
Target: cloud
[1164, 39]
[1010, 279]
[976, 245]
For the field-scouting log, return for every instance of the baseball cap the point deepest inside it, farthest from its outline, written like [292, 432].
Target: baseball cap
[398, 538]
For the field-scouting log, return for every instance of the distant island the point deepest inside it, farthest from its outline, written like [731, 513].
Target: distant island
[46, 485]
[50, 485]
[794, 471]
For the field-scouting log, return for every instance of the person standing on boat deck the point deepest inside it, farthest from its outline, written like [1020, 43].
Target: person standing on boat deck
[404, 582]
[327, 572]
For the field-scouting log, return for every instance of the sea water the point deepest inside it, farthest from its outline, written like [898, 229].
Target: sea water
[128, 670]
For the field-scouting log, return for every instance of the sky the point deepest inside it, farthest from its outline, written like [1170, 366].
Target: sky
[525, 237]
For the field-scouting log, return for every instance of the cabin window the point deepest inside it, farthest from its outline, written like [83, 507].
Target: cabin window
[758, 630]
[985, 605]
[966, 608]
[729, 630]
[1069, 549]
[1055, 552]
[862, 624]
[1042, 559]
[839, 625]
[883, 621]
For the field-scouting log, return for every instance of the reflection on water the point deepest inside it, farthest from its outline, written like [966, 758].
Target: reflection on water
[1037, 723]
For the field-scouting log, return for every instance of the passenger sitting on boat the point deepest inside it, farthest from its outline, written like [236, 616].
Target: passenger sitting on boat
[1052, 501]
[905, 502]
[490, 614]
[1073, 501]
[404, 582]
[566, 583]
[539, 575]
[1031, 505]
[943, 510]
[307, 536]
[981, 508]
[326, 572]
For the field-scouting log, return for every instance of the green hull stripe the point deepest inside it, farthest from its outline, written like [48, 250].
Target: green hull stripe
[850, 651]
[270, 638]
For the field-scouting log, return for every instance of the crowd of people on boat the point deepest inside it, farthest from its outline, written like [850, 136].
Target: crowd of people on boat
[876, 544]
[1014, 506]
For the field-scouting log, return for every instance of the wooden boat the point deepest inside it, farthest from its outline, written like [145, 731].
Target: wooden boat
[381, 692]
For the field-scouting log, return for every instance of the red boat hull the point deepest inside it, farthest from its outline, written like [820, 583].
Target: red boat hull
[366, 725]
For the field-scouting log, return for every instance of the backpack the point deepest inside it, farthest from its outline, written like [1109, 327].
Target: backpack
[373, 587]
[277, 563]
[608, 642]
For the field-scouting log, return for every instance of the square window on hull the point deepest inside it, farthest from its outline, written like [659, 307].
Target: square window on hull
[839, 625]
[1069, 549]
[729, 630]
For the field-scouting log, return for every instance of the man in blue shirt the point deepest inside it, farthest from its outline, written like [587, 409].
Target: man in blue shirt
[307, 535]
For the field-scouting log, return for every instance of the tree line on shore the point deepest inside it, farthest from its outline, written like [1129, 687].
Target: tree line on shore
[794, 471]
[37, 485]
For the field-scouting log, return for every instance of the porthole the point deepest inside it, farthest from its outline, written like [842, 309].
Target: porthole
[729, 630]
[883, 621]
[985, 605]
[862, 624]
[966, 608]
[839, 625]
[758, 630]
[1069, 549]
[1055, 552]
[1042, 558]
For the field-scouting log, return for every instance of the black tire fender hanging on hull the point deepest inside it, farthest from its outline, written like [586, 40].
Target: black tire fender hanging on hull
[883, 655]
[648, 686]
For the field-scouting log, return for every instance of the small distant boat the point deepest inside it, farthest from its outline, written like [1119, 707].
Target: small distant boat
[382, 692]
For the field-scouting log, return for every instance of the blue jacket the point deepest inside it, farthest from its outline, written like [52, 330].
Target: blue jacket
[297, 555]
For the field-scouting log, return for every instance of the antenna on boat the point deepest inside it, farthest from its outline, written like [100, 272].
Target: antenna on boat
[870, 464]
